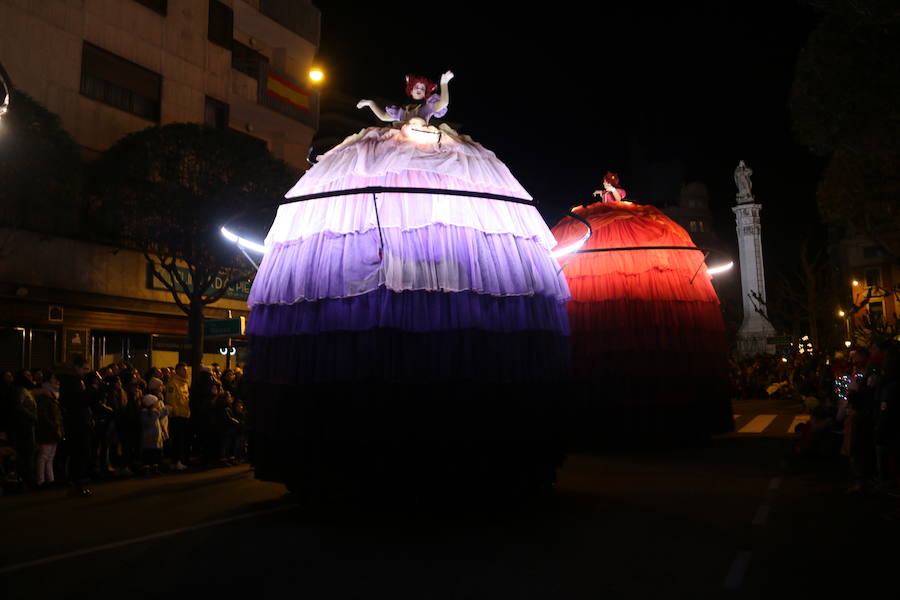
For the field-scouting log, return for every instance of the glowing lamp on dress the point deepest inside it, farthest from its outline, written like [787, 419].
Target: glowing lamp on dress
[783, 360]
[848, 343]
[316, 75]
[855, 283]
[419, 132]
[571, 247]
[243, 243]
[841, 313]
[720, 269]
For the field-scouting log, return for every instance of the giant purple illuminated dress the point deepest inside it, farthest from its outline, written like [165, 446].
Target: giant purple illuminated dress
[421, 316]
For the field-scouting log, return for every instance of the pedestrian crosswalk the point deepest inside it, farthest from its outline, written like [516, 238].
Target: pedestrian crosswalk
[771, 424]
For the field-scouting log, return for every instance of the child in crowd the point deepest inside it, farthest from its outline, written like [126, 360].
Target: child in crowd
[152, 433]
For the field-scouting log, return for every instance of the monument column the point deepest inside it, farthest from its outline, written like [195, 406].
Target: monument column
[754, 329]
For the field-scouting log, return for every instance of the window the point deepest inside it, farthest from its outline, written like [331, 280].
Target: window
[872, 252]
[221, 24]
[693, 226]
[159, 6]
[873, 276]
[300, 17]
[117, 82]
[247, 60]
[216, 114]
[876, 314]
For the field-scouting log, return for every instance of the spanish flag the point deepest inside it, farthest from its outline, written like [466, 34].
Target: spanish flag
[288, 92]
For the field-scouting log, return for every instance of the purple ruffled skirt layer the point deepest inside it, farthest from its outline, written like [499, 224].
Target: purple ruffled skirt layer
[413, 311]
[433, 258]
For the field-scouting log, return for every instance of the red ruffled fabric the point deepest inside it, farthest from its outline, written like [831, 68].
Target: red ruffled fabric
[647, 321]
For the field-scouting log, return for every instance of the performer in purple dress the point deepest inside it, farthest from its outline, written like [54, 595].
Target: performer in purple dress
[401, 315]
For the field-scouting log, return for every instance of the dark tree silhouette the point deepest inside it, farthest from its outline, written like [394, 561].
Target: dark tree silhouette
[40, 173]
[845, 105]
[167, 190]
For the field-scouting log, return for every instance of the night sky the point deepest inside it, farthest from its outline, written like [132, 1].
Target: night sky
[564, 96]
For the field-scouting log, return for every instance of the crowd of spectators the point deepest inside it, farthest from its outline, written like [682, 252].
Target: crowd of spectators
[73, 425]
[853, 401]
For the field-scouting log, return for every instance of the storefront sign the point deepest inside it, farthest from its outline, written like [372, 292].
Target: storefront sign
[238, 290]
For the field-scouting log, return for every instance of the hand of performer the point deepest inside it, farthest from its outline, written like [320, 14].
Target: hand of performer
[363, 103]
[446, 77]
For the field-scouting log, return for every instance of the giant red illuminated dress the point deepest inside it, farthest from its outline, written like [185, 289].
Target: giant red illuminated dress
[648, 338]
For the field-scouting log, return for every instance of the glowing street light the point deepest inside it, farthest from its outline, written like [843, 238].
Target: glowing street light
[848, 343]
[842, 313]
[5, 91]
[316, 74]
[855, 283]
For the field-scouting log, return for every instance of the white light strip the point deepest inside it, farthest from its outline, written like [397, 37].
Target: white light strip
[247, 244]
[719, 269]
[572, 247]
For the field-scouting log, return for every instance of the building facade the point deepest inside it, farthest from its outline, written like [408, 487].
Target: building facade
[868, 284]
[112, 67]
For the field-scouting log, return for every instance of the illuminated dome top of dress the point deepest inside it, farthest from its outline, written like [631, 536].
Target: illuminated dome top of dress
[417, 229]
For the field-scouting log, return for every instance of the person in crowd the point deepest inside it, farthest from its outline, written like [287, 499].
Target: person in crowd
[152, 434]
[130, 433]
[76, 404]
[886, 407]
[240, 414]
[204, 440]
[49, 430]
[858, 445]
[178, 401]
[229, 382]
[38, 377]
[156, 387]
[226, 425]
[24, 422]
[117, 400]
[7, 417]
[103, 415]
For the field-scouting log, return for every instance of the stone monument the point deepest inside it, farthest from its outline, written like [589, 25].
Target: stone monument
[755, 328]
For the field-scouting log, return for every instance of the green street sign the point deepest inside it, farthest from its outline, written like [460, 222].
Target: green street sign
[777, 340]
[224, 327]
[238, 290]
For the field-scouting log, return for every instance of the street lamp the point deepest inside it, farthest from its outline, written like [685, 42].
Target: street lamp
[316, 75]
[5, 91]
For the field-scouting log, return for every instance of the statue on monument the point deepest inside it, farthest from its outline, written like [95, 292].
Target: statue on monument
[742, 175]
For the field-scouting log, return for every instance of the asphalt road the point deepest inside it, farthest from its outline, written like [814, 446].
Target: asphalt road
[738, 518]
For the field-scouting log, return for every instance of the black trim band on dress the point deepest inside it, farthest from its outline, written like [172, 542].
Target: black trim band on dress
[377, 189]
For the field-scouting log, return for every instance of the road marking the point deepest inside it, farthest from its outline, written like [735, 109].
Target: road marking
[737, 571]
[762, 513]
[138, 540]
[797, 420]
[757, 424]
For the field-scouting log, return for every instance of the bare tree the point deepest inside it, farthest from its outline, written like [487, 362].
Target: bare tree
[166, 191]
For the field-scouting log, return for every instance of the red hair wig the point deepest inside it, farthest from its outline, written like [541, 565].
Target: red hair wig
[412, 80]
[611, 178]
